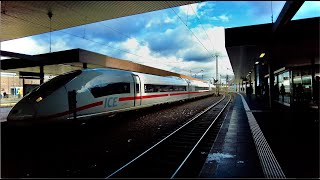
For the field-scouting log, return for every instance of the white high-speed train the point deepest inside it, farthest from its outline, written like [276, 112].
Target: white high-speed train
[102, 91]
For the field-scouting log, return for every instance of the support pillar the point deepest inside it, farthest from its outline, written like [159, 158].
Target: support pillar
[271, 85]
[84, 65]
[23, 87]
[41, 75]
[313, 74]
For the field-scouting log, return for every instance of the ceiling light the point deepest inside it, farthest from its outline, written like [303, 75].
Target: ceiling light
[39, 99]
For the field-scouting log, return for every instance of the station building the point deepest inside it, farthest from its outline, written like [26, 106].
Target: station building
[265, 60]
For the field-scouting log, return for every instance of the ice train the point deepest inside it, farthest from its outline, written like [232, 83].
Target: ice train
[91, 92]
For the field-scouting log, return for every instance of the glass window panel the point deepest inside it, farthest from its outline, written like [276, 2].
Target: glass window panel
[149, 88]
[109, 89]
[308, 9]
[55, 83]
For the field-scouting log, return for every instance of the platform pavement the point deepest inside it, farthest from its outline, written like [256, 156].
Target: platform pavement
[6, 105]
[234, 153]
[4, 111]
[8, 102]
[291, 133]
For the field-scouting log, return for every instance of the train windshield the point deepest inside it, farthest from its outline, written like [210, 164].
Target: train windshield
[50, 86]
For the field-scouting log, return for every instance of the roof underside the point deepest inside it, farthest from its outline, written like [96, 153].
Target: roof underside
[296, 44]
[27, 18]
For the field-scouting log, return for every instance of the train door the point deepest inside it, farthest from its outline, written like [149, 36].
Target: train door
[137, 90]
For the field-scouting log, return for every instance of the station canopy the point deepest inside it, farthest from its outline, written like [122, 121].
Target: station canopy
[27, 18]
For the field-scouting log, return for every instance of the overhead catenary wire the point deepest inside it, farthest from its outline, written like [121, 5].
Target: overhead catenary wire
[271, 13]
[203, 27]
[84, 28]
[111, 28]
[101, 23]
[191, 31]
[50, 17]
[187, 16]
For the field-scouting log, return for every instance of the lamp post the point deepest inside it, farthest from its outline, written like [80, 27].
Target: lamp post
[195, 75]
[217, 73]
[202, 74]
[221, 82]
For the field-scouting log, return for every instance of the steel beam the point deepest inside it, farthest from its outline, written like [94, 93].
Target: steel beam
[288, 11]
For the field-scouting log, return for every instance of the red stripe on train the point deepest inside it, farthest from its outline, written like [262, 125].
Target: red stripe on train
[176, 94]
[142, 97]
[155, 96]
[77, 110]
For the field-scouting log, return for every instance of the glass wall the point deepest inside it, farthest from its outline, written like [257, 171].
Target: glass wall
[284, 87]
[276, 87]
[296, 86]
[302, 85]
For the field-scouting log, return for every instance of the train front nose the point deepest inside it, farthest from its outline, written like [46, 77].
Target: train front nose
[22, 111]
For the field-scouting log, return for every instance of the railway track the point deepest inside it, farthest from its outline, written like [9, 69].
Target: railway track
[181, 153]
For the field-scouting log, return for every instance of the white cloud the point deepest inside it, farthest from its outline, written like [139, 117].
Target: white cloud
[213, 18]
[24, 46]
[131, 44]
[175, 64]
[215, 41]
[30, 46]
[200, 5]
[59, 45]
[152, 22]
[141, 54]
[169, 20]
[224, 18]
[186, 9]
[212, 38]
[158, 20]
[148, 25]
[191, 9]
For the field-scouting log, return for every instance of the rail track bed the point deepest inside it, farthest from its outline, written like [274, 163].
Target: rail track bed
[181, 153]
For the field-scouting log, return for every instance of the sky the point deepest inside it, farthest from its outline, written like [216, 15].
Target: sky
[181, 39]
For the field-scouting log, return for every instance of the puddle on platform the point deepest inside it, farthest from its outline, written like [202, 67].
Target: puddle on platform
[218, 156]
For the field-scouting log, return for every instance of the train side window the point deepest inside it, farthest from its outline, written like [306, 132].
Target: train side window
[109, 89]
[201, 88]
[180, 88]
[149, 88]
[53, 84]
[137, 88]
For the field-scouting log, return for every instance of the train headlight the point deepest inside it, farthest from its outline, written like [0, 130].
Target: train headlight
[39, 99]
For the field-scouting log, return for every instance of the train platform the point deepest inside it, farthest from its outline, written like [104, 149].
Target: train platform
[256, 141]
[8, 102]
